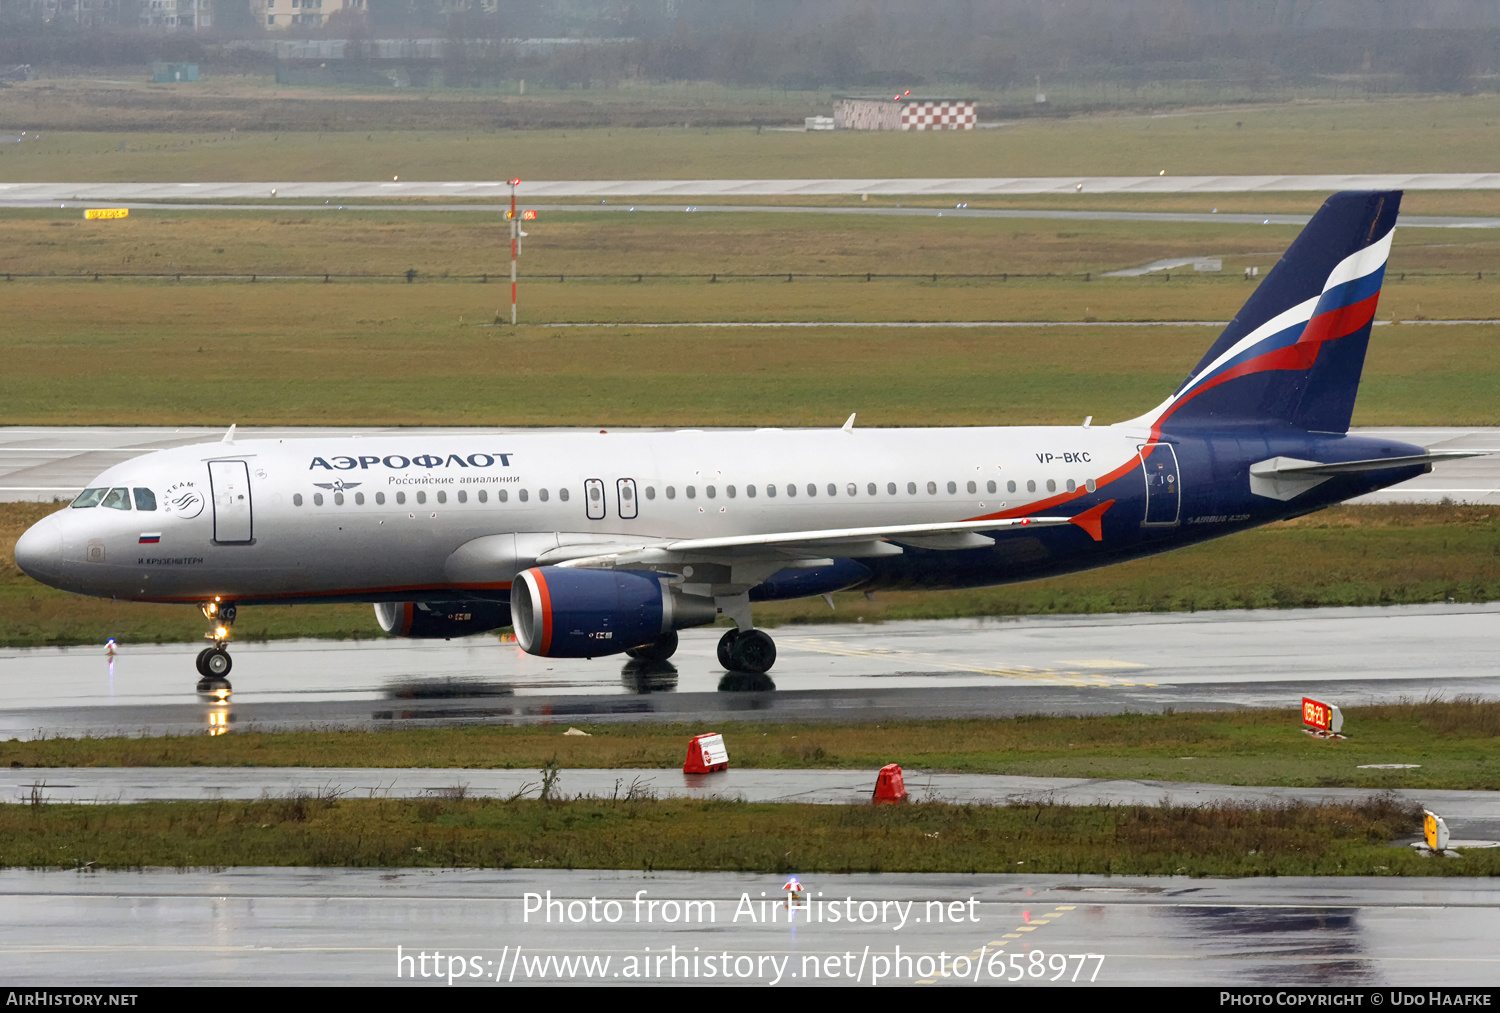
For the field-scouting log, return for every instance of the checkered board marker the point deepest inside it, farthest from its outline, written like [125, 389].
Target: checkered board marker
[938, 116]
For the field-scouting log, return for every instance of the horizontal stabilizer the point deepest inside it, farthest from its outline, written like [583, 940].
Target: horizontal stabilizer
[1285, 478]
[1288, 467]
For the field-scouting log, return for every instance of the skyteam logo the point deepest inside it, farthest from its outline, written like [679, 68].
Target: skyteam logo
[183, 501]
[400, 462]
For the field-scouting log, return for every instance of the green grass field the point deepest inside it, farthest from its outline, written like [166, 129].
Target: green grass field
[648, 834]
[304, 138]
[1455, 744]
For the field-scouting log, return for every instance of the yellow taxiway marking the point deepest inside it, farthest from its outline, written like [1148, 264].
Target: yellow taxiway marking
[1047, 675]
[1101, 663]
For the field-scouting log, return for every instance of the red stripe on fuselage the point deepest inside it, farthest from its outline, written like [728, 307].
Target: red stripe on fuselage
[1065, 497]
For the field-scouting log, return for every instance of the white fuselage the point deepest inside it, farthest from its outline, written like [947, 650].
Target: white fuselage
[376, 518]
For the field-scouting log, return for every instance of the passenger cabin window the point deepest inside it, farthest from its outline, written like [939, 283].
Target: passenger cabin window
[380, 499]
[338, 499]
[145, 499]
[317, 499]
[484, 496]
[953, 488]
[562, 494]
[89, 498]
[750, 491]
[541, 494]
[442, 496]
[359, 498]
[911, 488]
[973, 487]
[421, 497]
[990, 485]
[463, 497]
[117, 499]
[890, 488]
[297, 499]
[522, 496]
[502, 495]
[932, 488]
[1010, 486]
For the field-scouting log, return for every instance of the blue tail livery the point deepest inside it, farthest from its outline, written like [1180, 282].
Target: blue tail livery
[1293, 354]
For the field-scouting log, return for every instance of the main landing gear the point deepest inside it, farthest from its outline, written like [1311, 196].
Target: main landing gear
[214, 662]
[664, 647]
[751, 651]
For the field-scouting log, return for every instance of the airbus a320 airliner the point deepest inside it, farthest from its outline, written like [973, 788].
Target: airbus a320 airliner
[601, 543]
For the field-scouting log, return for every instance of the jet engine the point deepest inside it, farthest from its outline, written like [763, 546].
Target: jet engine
[446, 619]
[563, 612]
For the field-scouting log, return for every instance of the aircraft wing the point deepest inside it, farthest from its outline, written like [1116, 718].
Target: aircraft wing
[789, 545]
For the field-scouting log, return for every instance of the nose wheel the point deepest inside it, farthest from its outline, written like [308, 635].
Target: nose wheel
[751, 651]
[214, 662]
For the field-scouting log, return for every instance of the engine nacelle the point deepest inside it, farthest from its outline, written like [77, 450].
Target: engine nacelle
[566, 612]
[430, 620]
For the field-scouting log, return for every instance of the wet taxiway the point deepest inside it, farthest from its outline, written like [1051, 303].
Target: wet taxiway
[384, 927]
[847, 671]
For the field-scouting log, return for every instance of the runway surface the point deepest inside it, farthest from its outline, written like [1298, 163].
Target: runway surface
[846, 672]
[384, 927]
[24, 193]
[961, 210]
[45, 463]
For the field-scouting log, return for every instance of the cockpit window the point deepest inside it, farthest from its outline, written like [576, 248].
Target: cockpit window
[89, 498]
[145, 499]
[117, 499]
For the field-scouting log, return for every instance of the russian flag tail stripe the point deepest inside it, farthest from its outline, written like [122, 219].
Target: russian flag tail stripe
[1294, 353]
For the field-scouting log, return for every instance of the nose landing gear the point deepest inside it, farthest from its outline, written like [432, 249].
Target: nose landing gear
[214, 662]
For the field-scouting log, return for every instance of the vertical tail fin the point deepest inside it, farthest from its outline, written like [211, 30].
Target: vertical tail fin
[1294, 353]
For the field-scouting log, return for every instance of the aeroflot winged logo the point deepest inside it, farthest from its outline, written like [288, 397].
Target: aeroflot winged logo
[338, 485]
[399, 462]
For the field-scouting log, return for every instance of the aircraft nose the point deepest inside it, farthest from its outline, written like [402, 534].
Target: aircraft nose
[39, 551]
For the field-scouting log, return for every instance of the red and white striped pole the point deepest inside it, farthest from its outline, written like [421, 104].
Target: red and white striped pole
[515, 227]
